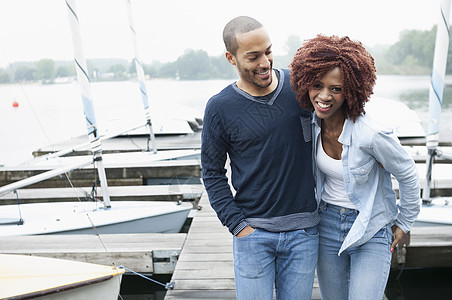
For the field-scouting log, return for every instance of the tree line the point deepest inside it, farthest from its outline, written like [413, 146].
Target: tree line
[411, 55]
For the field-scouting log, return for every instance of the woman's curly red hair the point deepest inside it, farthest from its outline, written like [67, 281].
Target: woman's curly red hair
[319, 55]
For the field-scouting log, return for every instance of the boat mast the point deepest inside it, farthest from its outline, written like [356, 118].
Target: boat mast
[436, 92]
[88, 108]
[141, 79]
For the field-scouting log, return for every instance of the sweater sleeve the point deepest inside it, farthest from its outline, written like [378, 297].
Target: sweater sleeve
[214, 147]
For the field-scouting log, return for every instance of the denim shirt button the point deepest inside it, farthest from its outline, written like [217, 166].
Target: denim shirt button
[344, 162]
[347, 179]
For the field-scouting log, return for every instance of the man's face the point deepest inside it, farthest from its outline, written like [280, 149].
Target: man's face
[253, 61]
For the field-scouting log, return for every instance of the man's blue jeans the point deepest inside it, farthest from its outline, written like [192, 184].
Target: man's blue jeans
[360, 272]
[283, 261]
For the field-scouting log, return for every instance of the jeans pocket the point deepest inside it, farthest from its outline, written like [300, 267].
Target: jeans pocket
[381, 233]
[385, 233]
[246, 236]
[311, 231]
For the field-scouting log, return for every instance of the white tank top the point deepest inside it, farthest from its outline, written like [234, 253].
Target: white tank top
[334, 190]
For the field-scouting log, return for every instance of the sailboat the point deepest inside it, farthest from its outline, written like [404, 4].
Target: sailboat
[437, 211]
[30, 277]
[91, 217]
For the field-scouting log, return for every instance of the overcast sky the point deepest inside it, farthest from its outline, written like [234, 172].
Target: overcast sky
[36, 29]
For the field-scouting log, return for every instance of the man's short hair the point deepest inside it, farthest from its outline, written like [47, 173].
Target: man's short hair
[238, 25]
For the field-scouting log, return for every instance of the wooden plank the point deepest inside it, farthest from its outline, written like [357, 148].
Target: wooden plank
[120, 170]
[219, 243]
[126, 143]
[199, 294]
[424, 236]
[134, 251]
[130, 241]
[206, 257]
[206, 265]
[204, 274]
[139, 261]
[209, 284]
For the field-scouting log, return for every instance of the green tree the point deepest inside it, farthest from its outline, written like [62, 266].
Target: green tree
[167, 70]
[24, 73]
[45, 70]
[292, 44]
[133, 68]
[221, 68]
[150, 70]
[119, 71]
[93, 71]
[4, 76]
[413, 53]
[194, 65]
[66, 70]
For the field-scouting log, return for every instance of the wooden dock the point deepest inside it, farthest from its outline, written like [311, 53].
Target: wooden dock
[205, 266]
[125, 143]
[153, 253]
[121, 169]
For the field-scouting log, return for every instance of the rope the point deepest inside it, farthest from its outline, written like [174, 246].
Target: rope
[168, 286]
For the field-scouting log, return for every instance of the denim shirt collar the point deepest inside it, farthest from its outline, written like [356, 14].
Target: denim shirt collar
[346, 135]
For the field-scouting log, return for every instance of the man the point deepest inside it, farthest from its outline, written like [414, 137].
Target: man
[259, 124]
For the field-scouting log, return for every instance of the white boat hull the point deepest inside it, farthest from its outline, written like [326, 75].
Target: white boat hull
[403, 120]
[30, 277]
[439, 212]
[90, 217]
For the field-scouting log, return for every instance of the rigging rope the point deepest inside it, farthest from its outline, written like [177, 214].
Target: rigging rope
[168, 286]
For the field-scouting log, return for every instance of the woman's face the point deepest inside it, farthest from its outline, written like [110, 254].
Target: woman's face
[327, 95]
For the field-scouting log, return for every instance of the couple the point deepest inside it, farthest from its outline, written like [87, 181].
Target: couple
[312, 190]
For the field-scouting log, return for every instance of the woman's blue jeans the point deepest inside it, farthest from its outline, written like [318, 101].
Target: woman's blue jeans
[284, 261]
[360, 272]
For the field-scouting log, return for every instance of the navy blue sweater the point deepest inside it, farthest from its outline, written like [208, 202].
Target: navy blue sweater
[269, 146]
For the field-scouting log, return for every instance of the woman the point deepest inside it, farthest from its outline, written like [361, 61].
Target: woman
[354, 157]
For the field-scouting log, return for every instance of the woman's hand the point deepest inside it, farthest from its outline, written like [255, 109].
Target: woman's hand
[398, 235]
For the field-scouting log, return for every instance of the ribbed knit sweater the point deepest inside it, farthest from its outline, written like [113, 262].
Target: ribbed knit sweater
[269, 146]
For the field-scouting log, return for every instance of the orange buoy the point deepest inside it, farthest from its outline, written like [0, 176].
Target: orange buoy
[15, 104]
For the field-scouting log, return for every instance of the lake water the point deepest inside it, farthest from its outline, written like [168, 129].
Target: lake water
[48, 114]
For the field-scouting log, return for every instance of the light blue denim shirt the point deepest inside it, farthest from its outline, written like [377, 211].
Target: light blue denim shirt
[368, 185]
